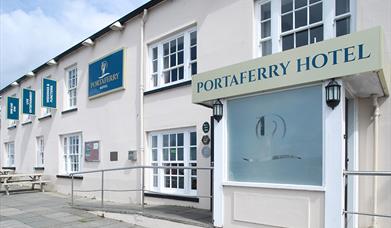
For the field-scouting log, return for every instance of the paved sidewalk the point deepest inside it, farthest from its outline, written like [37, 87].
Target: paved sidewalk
[36, 209]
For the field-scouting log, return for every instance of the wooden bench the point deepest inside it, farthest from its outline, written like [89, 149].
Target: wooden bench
[14, 180]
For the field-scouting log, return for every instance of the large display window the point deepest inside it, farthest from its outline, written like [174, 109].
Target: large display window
[276, 137]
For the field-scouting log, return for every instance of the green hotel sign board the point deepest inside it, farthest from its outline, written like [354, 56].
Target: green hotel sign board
[343, 56]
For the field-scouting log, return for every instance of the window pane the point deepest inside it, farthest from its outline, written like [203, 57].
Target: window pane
[165, 62]
[165, 154]
[301, 18]
[180, 43]
[287, 22]
[315, 13]
[173, 46]
[265, 29]
[172, 154]
[154, 53]
[180, 73]
[302, 38]
[341, 7]
[181, 182]
[173, 140]
[180, 154]
[154, 154]
[180, 139]
[193, 53]
[154, 66]
[286, 6]
[174, 76]
[316, 34]
[180, 57]
[313, 1]
[174, 182]
[343, 27]
[193, 138]
[276, 144]
[193, 153]
[165, 49]
[300, 3]
[265, 11]
[266, 47]
[287, 42]
[193, 68]
[166, 76]
[172, 60]
[154, 141]
[193, 183]
[193, 38]
[167, 182]
[165, 140]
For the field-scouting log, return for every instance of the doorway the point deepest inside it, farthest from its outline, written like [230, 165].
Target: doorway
[351, 160]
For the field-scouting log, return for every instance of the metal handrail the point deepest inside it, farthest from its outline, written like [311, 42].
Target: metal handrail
[366, 173]
[142, 167]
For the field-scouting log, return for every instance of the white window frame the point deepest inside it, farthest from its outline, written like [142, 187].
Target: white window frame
[10, 157]
[186, 60]
[66, 155]
[40, 148]
[26, 118]
[12, 123]
[70, 93]
[45, 111]
[328, 21]
[187, 191]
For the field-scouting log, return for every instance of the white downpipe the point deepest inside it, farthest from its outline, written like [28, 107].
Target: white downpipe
[141, 116]
[376, 115]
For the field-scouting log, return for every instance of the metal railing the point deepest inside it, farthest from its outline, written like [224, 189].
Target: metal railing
[367, 173]
[142, 190]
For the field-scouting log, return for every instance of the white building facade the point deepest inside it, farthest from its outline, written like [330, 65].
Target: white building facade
[154, 117]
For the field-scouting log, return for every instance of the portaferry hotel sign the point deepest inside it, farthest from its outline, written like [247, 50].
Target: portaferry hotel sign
[106, 74]
[347, 55]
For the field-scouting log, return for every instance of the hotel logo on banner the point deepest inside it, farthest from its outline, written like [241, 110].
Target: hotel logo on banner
[28, 101]
[106, 74]
[13, 108]
[49, 93]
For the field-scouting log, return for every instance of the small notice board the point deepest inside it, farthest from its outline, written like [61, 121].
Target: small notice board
[92, 151]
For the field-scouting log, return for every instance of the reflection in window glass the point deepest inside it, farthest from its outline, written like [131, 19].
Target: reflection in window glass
[272, 143]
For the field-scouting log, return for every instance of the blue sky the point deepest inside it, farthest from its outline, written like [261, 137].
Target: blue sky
[34, 31]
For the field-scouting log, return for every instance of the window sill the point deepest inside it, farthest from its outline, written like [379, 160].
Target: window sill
[69, 110]
[173, 197]
[274, 186]
[11, 127]
[176, 85]
[39, 168]
[7, 167]
[45, 117]
[27, 122]
[65, 176]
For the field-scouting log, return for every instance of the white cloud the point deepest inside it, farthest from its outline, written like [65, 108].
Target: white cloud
[31, 37]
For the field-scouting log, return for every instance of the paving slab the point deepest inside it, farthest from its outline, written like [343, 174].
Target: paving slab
[40, 210]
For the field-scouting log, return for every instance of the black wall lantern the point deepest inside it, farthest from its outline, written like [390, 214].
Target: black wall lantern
[218, 110]
[333, 94]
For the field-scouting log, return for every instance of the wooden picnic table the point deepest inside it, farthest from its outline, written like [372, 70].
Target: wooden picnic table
[7, 180]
